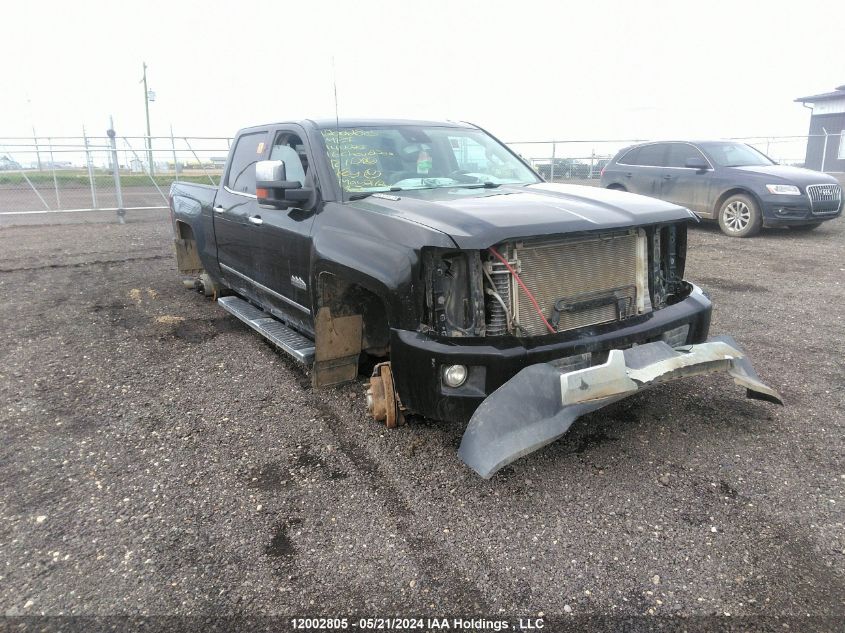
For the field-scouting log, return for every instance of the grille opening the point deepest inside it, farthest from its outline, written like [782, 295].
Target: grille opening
[824, 198]
[577, 282]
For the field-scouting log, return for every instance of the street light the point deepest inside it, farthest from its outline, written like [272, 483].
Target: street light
[149, 95]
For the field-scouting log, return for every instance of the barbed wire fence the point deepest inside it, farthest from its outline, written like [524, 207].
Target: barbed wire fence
[50, 173]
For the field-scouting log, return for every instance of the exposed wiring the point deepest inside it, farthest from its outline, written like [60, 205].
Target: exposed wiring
[524, 289]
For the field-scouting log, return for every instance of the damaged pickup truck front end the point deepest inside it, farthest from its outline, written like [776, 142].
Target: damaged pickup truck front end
[524, 335]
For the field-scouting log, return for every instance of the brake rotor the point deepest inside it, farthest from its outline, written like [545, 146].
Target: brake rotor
[382, 402]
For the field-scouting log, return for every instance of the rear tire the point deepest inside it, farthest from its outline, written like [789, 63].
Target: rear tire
[805, 227]
[739, 216]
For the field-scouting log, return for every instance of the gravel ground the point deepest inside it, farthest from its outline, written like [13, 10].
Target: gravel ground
[159, 458]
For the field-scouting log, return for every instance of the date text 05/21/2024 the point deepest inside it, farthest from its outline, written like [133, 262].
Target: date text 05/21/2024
[419, 624]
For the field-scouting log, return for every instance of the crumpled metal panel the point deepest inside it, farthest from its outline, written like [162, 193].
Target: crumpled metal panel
[541, 402]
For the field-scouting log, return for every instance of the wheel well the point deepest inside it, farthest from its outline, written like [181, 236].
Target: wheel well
[617, 187]
[187, 257]
[732, 192]
[186, 232]
[347, 298]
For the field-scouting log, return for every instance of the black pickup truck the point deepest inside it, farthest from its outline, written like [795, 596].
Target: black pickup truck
[433, 253]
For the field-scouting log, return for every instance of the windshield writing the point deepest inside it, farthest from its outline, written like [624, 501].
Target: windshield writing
[411, 157]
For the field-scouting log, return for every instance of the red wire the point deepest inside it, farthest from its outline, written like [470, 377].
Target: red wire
[524, 288]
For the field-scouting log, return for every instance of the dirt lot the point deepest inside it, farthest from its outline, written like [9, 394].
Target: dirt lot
[158, 457]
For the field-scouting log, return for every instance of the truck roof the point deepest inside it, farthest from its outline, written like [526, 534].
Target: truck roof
[326, 124]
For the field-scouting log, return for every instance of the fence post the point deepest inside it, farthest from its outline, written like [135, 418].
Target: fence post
[37, 152]
[824, 150]
[90, 169]
[53, 169]
[173, 147]
[552, 168]
[121, 212]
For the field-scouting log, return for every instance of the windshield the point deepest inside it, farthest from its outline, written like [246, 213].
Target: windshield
[736, 155]
[402, 157]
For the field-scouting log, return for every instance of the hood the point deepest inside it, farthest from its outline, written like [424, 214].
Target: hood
[486, 217]
[783, 174]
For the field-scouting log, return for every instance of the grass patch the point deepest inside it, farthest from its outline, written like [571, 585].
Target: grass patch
[79, 179]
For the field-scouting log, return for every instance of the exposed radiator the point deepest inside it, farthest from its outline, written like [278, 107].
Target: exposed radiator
[579, 282]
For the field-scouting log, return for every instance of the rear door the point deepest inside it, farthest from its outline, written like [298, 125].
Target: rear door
[685, 186]
[284, 250]
[642, 169]
[235, 208]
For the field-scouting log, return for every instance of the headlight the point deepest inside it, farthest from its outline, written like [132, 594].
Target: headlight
[786, 190]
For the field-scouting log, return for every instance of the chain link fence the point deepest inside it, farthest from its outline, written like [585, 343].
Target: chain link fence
[46, 174]
[100, 172]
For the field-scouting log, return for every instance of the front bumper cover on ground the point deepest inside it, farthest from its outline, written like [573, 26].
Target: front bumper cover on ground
[541, 402]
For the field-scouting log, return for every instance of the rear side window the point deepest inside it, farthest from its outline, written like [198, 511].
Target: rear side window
[652, 155]
[679, 153]
[248, 151]
[630, 157]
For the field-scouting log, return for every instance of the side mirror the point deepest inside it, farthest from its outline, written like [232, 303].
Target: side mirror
[272, 188]
[697, 162]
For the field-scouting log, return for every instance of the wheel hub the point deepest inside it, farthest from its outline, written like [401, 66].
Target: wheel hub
[382, 402]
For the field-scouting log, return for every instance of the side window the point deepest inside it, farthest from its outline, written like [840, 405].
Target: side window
[680, 152]
[630, 157]
[248, 151]
[289, 148]
[652, 155]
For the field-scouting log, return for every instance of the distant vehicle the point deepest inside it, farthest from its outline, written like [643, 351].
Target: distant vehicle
[7, 164]
[564, 168]
[598, 166]
[727, 181]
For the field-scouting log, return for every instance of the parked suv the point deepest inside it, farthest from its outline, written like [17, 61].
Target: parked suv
[728, 181]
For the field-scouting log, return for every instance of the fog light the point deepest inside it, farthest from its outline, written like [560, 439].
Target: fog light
[454, 375]
[677, 336]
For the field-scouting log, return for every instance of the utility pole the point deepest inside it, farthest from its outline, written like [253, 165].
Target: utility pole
[147, 110]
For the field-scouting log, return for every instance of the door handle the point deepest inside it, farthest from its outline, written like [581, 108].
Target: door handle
[219, 209]
[256, 219]
[628, 175]
[667, 177]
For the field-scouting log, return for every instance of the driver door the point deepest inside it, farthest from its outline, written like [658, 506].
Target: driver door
[283, 257]
[684, 186]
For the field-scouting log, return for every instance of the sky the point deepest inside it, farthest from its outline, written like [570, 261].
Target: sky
[523, 70]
